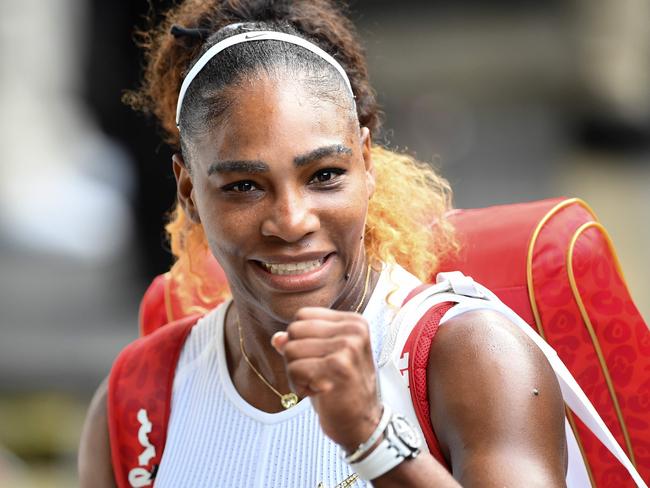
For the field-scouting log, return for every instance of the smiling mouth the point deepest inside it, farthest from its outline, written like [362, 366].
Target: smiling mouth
[292, 268]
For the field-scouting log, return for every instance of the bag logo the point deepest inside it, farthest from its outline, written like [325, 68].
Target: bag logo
[140, 476]
[403, 366]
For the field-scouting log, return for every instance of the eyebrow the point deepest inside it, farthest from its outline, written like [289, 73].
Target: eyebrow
[321, 153]
[256, 167]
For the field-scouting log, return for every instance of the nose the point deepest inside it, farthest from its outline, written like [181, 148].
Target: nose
[291, 217]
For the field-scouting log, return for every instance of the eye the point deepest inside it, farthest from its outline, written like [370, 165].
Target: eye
[240, 187]
[327, 175]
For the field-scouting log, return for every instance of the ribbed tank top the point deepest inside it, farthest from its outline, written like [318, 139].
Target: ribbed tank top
[215, 438]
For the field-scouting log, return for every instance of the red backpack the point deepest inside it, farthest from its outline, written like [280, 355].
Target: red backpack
[550, 261]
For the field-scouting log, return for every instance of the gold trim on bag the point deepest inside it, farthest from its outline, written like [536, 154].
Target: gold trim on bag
[533, 303]
[590, 328]
[531, 248]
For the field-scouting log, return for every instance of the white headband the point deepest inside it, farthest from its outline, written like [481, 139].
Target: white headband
[247, 37]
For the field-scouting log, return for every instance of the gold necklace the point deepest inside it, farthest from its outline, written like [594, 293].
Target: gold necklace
[346, 483]
[290, 399]
[287, 400]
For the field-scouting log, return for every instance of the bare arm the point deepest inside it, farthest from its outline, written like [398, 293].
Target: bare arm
[95, 468]
[496, 405]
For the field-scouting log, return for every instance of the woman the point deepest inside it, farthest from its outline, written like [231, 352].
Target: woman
[276, 171]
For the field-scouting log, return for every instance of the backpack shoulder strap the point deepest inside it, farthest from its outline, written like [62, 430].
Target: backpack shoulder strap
[418, 347]
[139, 402]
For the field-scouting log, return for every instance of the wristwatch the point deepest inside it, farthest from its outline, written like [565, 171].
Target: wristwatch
[401, 441]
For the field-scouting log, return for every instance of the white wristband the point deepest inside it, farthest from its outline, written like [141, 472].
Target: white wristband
[401, 442]
[384, 458]
[379, 430]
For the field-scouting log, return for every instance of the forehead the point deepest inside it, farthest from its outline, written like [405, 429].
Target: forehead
[271, 118]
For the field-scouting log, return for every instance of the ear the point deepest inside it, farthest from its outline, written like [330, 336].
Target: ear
[185, 188]
[366, 152]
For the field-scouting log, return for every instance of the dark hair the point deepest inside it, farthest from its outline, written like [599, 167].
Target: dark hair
[208, 99]
[169, 57]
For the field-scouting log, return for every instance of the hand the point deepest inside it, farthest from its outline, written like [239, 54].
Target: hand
[329, 358]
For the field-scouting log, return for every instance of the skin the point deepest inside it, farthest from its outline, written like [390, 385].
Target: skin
[94, 461]
[310, 198]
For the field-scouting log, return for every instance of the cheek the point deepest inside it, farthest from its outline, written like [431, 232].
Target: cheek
[229, 233]
[225, 229]
[346, 215]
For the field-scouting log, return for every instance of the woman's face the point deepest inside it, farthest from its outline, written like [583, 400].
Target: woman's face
[281, 187]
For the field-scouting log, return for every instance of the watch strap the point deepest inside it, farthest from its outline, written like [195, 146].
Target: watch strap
[381, 460]
[379, 430]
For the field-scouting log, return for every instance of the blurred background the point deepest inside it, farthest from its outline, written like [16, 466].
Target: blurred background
[512, 101]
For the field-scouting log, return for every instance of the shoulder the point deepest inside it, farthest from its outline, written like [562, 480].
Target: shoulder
[492, 388]
[486, 337]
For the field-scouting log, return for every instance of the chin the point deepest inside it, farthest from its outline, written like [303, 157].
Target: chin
[284, 308]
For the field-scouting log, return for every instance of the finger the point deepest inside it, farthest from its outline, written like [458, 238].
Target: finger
[318, 347]
[306, 377]
[319, 327]
[302, 329]
[324, 313]
[320, 374]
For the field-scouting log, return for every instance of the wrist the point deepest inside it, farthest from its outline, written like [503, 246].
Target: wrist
[399, 441]
[360, 451]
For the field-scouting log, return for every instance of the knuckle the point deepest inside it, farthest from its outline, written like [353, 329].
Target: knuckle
[321, 386]
[342, 342]
[350, 343]
[339, 364]
[359, 328]
[356, 339]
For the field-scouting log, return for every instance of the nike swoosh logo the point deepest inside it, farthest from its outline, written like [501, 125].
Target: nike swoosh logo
[252, 36]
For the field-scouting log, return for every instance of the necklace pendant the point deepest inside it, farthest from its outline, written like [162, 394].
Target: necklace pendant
[289, 400]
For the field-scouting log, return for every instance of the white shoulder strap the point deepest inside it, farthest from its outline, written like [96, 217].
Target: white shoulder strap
[407, 318]
[460, 284]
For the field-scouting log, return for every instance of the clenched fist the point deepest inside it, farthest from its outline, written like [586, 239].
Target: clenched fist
[329, 358]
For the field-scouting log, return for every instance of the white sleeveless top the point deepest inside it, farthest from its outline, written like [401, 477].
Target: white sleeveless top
[216, 439]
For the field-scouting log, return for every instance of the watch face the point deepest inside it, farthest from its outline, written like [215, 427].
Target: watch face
[406, 432]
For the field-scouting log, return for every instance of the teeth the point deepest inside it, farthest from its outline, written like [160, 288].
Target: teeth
[292, 268]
